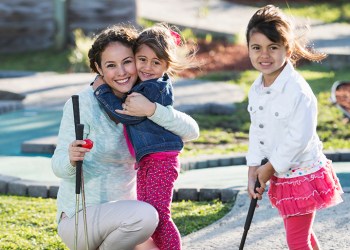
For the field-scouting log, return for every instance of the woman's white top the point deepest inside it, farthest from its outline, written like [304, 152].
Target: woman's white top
[108, 168]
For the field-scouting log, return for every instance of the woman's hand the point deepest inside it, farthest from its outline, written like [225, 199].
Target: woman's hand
[97, 82]
[76, 152]
[137, 105]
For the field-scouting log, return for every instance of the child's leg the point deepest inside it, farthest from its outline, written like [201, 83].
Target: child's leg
[141, 184]
[141, 196]
[159, 191]
[314, 241]
[299, 232]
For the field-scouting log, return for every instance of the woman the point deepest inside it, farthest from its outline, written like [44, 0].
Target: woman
[115, 219]
[159, 53]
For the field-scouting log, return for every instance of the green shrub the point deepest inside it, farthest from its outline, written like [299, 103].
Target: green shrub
[78, 58]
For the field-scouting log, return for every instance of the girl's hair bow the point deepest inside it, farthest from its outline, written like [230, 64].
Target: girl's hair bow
[176, 36]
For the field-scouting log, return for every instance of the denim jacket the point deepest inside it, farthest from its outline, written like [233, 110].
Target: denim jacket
[146, 136]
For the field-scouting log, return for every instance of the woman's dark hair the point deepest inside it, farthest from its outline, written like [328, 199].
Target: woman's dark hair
[126, 35]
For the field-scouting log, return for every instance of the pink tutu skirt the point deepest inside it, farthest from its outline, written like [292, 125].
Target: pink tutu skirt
[305, 194]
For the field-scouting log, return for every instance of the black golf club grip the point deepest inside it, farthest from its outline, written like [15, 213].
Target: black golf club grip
[79, 164]
[76, 111]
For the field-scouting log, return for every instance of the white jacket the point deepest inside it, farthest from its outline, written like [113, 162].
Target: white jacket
[283, 122]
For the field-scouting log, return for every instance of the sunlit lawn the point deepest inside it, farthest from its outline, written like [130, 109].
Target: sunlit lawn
[30, 223]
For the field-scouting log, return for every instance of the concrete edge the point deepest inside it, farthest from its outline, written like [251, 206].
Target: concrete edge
[16, 186]
[7, 106]
[47, 145]
[239, 159]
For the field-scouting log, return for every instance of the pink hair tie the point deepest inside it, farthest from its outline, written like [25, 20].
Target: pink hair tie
[176, 36]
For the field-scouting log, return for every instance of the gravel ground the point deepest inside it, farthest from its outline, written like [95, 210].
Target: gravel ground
[267, 232]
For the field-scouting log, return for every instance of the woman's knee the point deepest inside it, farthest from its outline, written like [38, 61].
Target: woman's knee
[131, 216]
[141, 217]
[136, 222]
[150, 216]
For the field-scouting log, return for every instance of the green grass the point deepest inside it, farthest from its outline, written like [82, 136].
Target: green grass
[190, 216]
[30, 223]
[330, 12]
[71, 59]
[326, 11]
[43, 61]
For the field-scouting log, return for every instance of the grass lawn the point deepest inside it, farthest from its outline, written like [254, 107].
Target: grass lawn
[30, 223]
[326, 11]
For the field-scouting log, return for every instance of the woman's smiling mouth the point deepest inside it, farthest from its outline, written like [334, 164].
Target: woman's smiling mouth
[122, 81]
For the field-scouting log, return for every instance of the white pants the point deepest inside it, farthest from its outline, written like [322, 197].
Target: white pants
[111, 226]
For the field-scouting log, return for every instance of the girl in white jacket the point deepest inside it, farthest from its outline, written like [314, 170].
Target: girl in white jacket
[283, 113]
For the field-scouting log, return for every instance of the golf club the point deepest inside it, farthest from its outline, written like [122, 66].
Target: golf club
[251, 210]
[79, 177]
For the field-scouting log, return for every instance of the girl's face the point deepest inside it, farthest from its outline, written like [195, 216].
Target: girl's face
[118, 68]
[267, 57]
[148, 65]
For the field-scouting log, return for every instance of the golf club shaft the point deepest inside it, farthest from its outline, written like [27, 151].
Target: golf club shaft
[80, 190]
[84, 211]
[76, 221]
[251, 210]
[250, 215]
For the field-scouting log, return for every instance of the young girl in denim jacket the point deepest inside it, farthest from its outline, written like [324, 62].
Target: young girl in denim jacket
[283, 112]
[157, 55]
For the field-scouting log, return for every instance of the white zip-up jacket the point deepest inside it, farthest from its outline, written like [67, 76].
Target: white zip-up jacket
[283, 123]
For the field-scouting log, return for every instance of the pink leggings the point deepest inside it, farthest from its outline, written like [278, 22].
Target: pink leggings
[299, 232]
[155, 183]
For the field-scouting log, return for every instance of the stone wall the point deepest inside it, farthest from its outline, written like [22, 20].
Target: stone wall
[26, 25]
[94, 15]
[30, 24]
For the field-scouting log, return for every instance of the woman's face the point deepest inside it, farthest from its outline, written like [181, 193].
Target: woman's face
[267, 57]
[118, 68]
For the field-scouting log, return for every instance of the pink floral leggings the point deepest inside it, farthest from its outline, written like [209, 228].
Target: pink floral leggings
[155, 183]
